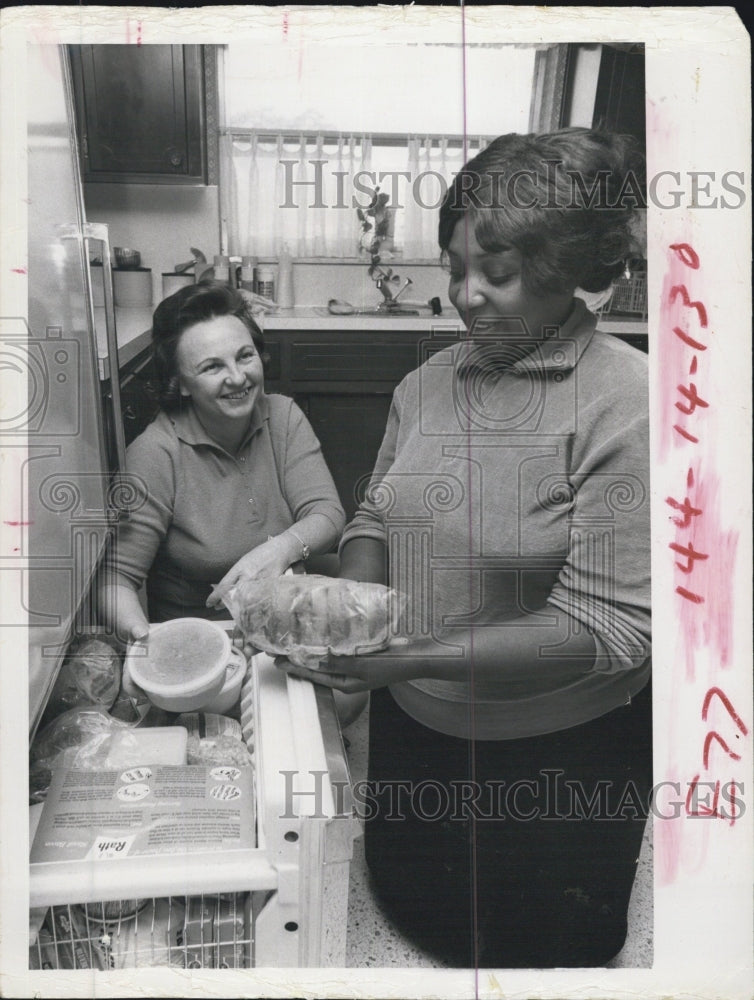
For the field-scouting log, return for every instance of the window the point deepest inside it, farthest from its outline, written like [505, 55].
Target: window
[309, 130]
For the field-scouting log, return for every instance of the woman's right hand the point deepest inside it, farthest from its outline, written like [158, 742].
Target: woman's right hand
[123, 612]
[136, 627]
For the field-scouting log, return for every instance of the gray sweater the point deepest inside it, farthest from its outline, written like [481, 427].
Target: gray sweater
[200, 509]
[509, 481]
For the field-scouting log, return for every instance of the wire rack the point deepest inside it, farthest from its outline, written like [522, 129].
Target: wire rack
[194, 932]
[629, 296]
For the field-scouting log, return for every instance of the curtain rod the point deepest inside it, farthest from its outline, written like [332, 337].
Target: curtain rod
[380, 138]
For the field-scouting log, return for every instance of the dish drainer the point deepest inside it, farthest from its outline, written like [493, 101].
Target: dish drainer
[629, 296]
[280, 904]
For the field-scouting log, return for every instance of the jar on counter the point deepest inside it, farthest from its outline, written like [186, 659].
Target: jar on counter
[221, 268]
[247, 274]
[266, 281]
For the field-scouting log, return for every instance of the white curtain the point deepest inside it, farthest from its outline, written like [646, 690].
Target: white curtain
[297, 194]
[301, 193]
[432, 164]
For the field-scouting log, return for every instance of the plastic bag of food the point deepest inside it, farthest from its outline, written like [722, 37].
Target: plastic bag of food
[218, 750]
[305, 617]
[87, 729]
[90, 675]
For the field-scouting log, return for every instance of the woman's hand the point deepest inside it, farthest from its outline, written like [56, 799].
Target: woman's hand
[270, 559]
[122, 611]
[352, 674]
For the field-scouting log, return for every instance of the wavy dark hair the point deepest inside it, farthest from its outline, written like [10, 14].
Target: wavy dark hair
[175, 314]
[565, 200]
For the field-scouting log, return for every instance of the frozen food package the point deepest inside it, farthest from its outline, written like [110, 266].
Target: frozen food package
[90, 675]
[305, 617]
[88, 729]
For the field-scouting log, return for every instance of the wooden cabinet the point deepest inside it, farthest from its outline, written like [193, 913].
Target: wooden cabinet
[344, 382]
[141, 112]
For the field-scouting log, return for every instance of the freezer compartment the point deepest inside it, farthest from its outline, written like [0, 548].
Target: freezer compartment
[211, 931]
[294, 882]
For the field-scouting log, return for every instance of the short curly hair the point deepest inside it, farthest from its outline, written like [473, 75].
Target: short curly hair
[181, 310]
[565, 200]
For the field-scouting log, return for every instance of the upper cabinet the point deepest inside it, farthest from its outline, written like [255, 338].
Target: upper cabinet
[142, 113]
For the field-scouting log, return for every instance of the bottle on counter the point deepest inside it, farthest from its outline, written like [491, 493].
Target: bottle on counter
[248, 268]
[266, 281]
[222, 268]
[285, 280]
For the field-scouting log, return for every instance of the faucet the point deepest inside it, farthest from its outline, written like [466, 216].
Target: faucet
[390, 300]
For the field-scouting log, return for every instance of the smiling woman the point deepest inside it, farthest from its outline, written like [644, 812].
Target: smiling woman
[221, 373]
[229, 483]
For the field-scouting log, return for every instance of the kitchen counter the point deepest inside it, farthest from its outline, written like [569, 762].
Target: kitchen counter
[134, 334]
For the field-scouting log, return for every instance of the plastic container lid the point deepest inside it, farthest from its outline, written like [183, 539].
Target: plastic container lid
[185, 662]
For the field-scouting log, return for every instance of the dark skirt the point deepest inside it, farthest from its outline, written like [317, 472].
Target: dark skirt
[509, 853]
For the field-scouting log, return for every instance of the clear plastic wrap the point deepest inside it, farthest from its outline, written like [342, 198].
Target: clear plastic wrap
[306, 617]
[88, 729]
[90, 675]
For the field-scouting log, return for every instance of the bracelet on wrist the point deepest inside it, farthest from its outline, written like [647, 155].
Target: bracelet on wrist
[305, 550]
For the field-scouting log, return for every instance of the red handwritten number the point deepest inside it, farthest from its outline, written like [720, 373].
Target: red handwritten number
[684, 433]
[694, 598]
[689, 340]
[687, 254]
[712, 735]
[689, 392]
[695, 807]
[686, 509]
[690, 554]
[719, 693]
[681, 290]
[702, 809]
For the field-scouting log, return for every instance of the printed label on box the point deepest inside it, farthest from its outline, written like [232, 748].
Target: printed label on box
[169, 809]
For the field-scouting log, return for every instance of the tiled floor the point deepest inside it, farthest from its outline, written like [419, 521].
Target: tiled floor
[372, 942]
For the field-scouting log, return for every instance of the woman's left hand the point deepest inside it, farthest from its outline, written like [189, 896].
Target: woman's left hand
[269, 559]
[352, 674]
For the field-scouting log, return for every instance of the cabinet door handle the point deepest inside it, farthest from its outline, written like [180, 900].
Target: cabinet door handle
[175, 158]
[129, 413]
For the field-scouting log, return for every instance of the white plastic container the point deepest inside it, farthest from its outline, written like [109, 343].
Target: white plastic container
[230, 692]
[184, 666]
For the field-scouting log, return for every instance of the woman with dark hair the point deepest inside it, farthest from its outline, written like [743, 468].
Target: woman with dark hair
[510, 720]
[229, 482]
